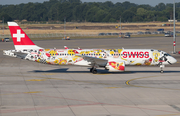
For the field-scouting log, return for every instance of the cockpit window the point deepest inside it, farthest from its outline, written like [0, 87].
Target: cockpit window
[166, 54]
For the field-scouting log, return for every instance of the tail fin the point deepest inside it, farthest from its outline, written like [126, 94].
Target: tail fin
[20, 39]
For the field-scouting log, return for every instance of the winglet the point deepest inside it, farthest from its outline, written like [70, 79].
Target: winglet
[66, 47]
[79, 48]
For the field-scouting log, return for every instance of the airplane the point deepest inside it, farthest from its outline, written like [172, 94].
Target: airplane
[113, 60]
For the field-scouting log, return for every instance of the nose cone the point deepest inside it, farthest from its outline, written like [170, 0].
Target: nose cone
[172, 60]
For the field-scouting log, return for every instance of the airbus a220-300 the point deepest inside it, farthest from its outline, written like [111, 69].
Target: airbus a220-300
[113, 60]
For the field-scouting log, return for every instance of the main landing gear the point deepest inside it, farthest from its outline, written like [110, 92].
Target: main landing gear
[93, 70]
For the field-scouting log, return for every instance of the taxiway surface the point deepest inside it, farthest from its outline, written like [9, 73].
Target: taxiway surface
[34, 89]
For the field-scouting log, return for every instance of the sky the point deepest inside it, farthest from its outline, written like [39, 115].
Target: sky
[150, 2]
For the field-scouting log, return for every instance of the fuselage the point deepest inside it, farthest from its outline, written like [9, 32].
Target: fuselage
[73, 56]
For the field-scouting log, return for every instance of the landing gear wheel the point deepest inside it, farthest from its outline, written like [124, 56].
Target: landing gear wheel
[94, 71]
[162, 71]
[91, 69]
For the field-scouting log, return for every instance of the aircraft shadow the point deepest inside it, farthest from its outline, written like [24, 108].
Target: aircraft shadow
[62, 70]
[99, 71]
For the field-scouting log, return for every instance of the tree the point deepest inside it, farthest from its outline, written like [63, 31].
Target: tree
[128, 5]
[75, 10]
[78, 12]
[112, 20]
[127, 16]
[141, 12]
[91, 14]
[160, 7]
[6, 17]
[107, 18]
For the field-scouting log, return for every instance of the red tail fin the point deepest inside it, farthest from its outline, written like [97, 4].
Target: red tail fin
[20, 39]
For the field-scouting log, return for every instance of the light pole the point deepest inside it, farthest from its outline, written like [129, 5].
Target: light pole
[120, 27]
[3, 29]
[174, 33]
[64, 27]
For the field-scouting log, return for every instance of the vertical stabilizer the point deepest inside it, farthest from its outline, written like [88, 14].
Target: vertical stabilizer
[20, 39]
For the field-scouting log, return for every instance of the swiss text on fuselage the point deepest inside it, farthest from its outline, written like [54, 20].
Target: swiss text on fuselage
[135, 54]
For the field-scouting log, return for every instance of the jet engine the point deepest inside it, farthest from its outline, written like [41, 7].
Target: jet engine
[115, 66]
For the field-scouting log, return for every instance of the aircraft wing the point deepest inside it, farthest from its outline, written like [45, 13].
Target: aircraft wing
[94, 60]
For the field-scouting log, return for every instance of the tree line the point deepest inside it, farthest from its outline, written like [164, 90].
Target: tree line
[75, 10]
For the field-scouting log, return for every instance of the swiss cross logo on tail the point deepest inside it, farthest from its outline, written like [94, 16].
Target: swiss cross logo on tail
[18, 35]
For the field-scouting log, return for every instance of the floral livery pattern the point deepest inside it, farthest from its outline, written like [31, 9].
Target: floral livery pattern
[117, 65]
[73, 56]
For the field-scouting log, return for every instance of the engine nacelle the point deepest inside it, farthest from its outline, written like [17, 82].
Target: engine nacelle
[116, 66]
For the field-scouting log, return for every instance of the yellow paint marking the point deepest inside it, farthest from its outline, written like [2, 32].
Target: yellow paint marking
[21, 93]
[127, 83]
[76, 81]
[36, 80]
[33, 92]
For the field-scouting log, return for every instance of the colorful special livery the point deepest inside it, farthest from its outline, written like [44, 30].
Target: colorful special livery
[114, 60]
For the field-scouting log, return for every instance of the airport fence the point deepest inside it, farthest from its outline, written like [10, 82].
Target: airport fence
[53, 35]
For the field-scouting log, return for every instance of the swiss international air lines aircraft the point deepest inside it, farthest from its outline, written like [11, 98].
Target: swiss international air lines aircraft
[114, 60]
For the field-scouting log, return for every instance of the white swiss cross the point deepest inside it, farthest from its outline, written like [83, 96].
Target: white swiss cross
[19, 35]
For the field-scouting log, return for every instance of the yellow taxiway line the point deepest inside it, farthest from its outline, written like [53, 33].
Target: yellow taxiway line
[128, 83]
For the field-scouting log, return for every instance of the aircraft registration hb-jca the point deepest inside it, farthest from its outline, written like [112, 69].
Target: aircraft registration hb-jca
[114, 60]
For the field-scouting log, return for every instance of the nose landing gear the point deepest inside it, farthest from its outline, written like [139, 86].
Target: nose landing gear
[162, 66]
